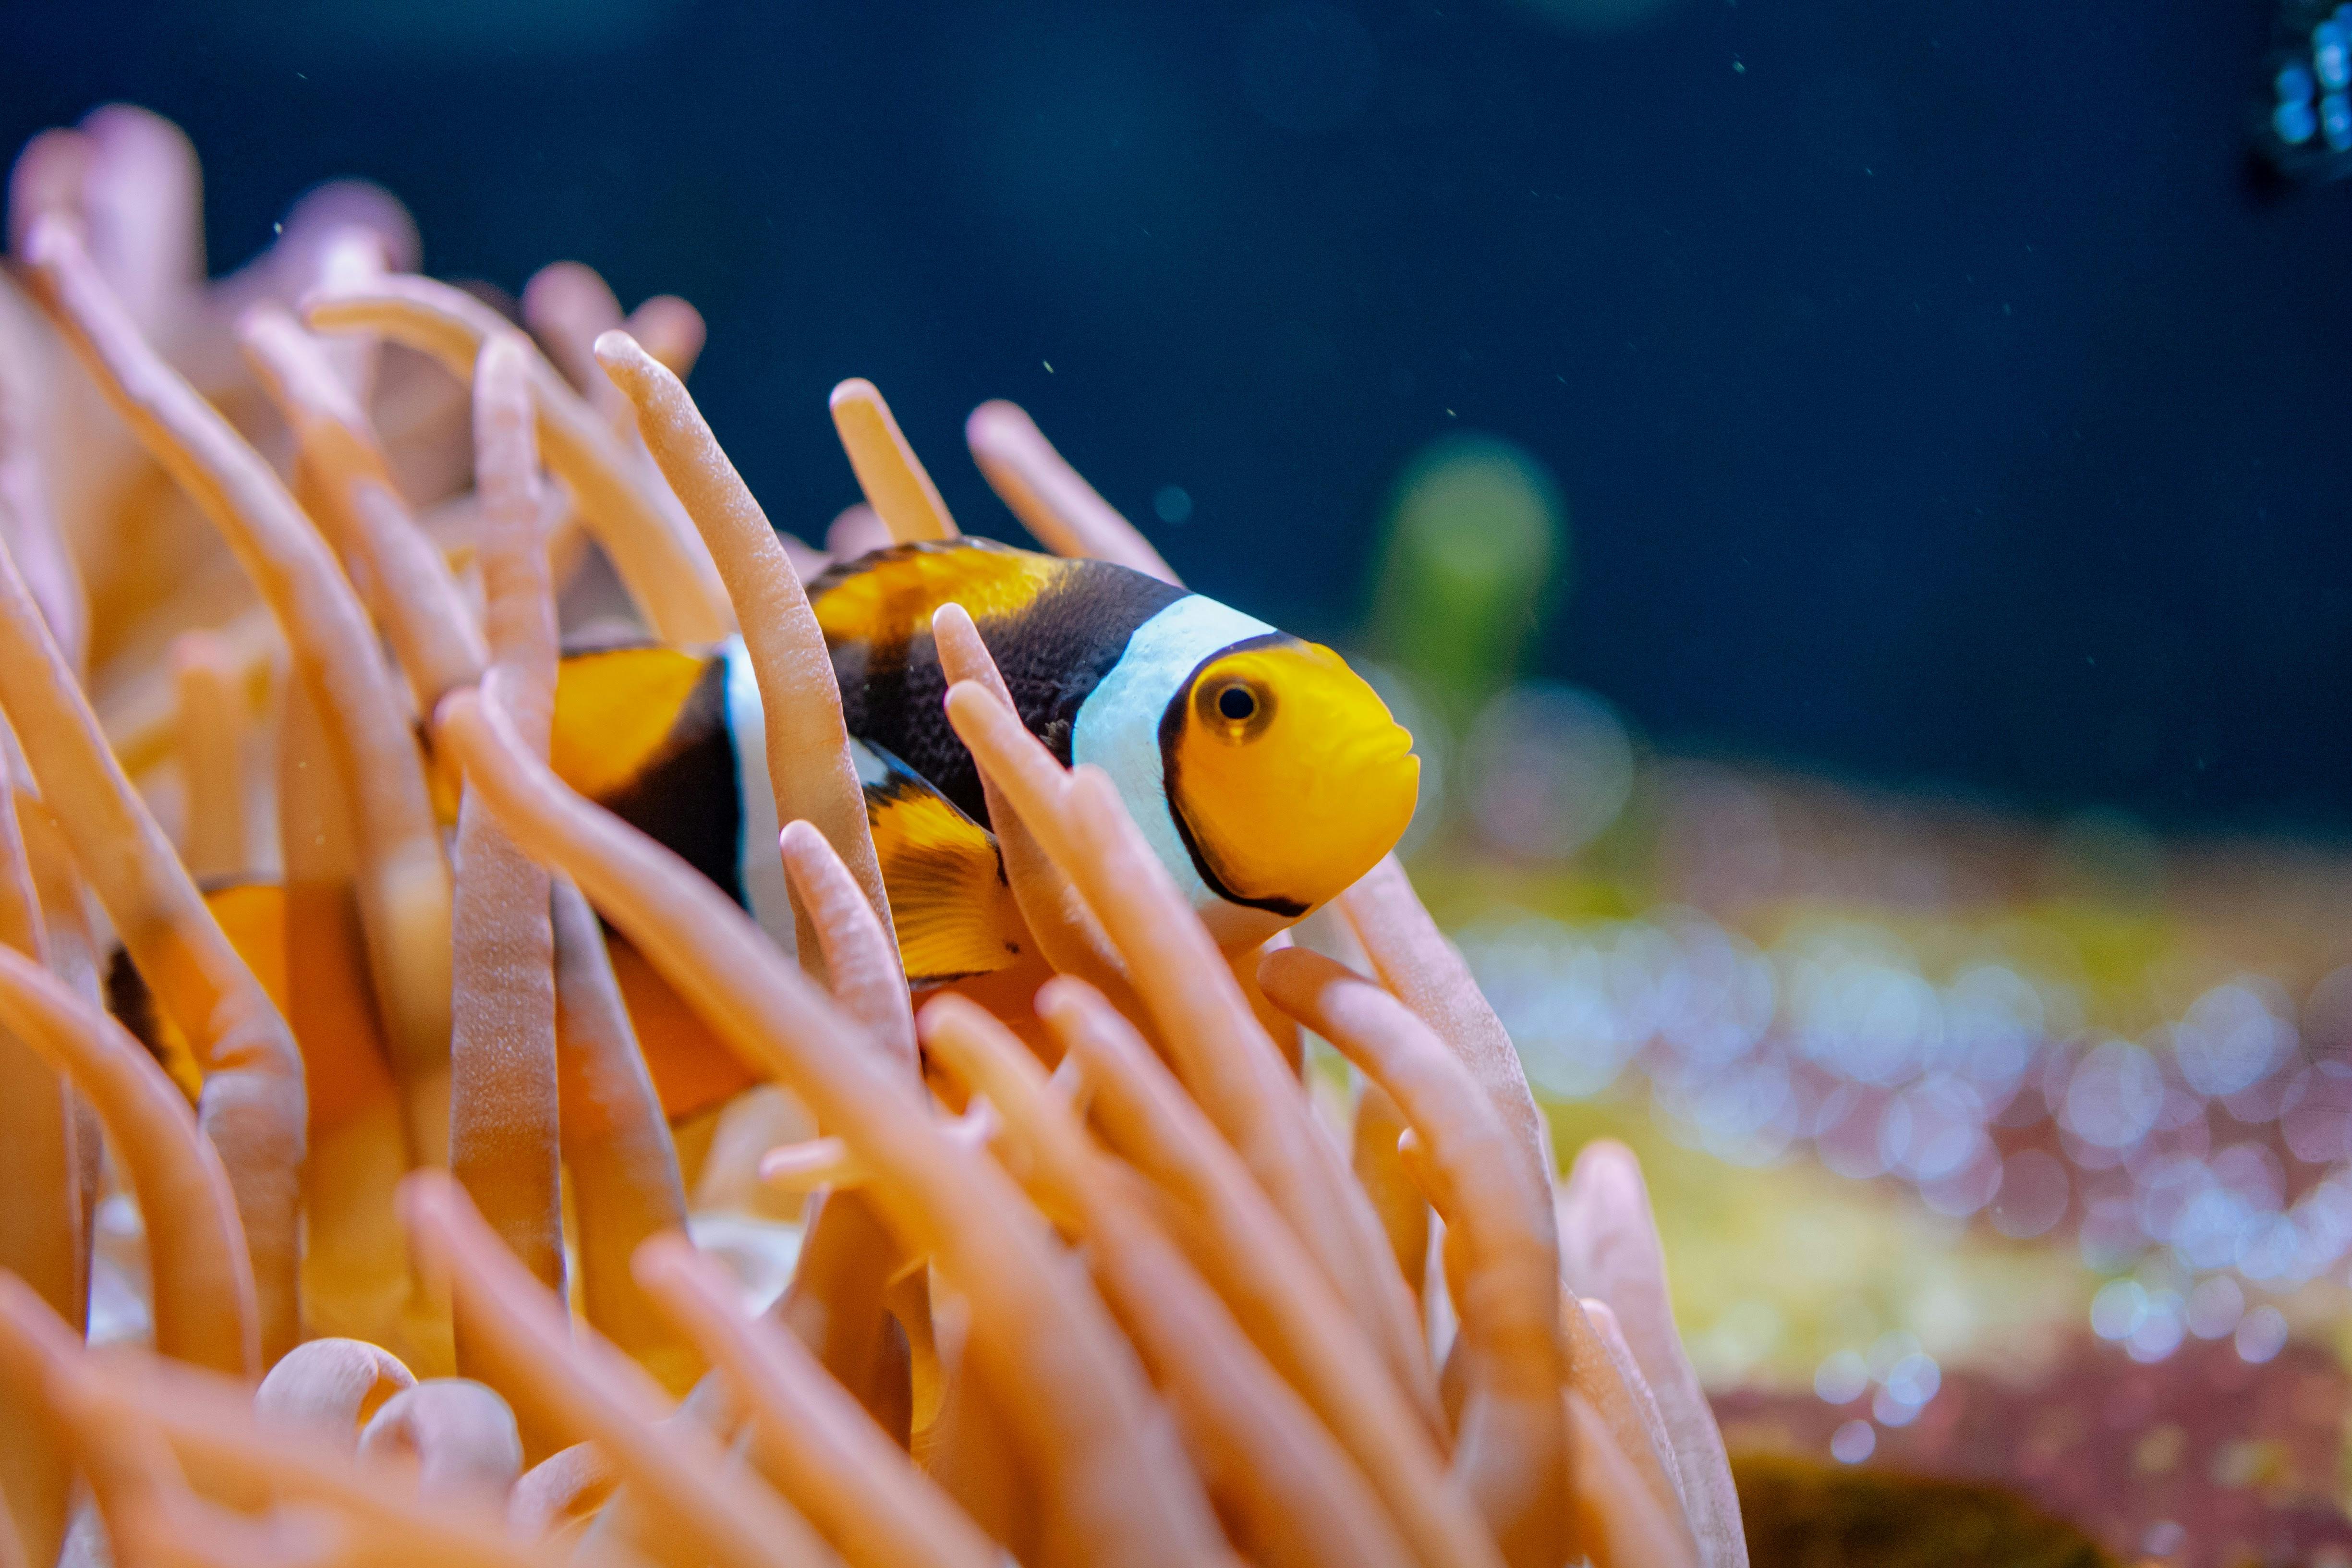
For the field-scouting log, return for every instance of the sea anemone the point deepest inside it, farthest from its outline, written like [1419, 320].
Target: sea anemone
[1088, 1273]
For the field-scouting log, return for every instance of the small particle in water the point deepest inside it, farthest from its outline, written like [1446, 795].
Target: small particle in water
[1048, 365]
[1172, 503]
[1853, 1442]
[278, 228]
[1738, 66]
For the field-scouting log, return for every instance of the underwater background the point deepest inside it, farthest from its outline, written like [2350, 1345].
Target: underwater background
[1852, 498]
[1936, 398]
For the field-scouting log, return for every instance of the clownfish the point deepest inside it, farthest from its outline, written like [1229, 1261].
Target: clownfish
[1265, 775]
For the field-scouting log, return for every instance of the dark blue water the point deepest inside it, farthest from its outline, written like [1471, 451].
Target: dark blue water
[1936, 399]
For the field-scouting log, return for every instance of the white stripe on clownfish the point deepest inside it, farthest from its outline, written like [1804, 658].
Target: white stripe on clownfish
[759, 862]
[1117, 729]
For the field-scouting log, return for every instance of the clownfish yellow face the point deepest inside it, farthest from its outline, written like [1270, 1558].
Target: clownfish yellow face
[1286, 775]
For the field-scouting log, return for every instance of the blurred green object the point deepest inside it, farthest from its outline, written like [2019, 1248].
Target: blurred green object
[1800, 1513]
[1475, 547]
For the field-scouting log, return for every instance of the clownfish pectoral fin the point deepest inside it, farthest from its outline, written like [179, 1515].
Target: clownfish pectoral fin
[948, 899]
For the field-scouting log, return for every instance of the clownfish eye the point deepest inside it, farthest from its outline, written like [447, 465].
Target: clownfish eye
[1235, 708]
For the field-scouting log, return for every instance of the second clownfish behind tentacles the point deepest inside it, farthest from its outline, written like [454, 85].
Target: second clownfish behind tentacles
[1265, 775]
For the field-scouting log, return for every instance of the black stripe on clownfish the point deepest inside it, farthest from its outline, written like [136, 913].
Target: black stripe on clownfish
[1054, 626]
[646, 733]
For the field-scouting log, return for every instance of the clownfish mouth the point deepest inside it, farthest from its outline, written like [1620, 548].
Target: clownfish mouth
[1384, 777]
[1376, 765]
[1384, 752]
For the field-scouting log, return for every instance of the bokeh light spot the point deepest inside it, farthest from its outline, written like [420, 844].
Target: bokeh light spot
[2033, 1196]
[2215, 1307]
[1841, 1378]
[1550, 767]
[2261, 1334]
[2113, 1096]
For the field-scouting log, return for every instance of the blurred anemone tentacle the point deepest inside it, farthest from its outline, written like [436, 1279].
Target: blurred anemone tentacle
[636, 519]
[505, 1136]
[1502, 1256]
[896, 483]
[1221, 1054]
[253, 1106]
[402, 877]
[808, 763]
[203, 1289]
[616, 1145]
[343, 477]
[1051, 499]
[43, 1237]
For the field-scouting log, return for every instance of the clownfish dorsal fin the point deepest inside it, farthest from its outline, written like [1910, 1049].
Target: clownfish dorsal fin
[948, 899]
